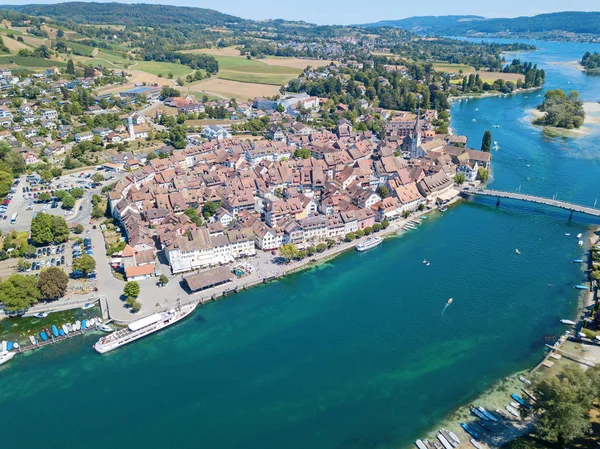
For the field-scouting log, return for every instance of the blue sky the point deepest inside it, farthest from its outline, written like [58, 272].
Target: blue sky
[363, 11]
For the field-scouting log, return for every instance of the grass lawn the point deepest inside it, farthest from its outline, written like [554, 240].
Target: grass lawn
[165, 68]
[9, 31]
[26, 61]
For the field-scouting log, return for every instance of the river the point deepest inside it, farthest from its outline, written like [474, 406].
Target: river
[355, 353]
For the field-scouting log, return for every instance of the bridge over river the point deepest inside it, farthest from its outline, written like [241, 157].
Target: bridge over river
[498, 194]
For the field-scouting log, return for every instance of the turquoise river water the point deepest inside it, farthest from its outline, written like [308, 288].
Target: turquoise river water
[355, 353]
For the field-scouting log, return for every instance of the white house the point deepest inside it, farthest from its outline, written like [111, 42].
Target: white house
[215, 132]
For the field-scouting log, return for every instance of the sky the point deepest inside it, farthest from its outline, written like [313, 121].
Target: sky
[343, 12]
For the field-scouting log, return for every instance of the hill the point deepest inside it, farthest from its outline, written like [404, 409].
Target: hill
[568, 21]
[127, 14]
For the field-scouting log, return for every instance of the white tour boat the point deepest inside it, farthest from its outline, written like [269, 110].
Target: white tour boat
[143, 327]
[371, 242]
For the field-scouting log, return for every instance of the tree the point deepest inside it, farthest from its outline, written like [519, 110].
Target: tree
[163, 279]
[368, 230]
[460, 178]
[97, 212]
[41, 229]
[385, 224]
[70, 67]
[209, 209]
[52, 283]
[134, 304]
[321, 247]
[44, 197]
[564, 402]
[302, 153]
[60, 229]
[68, 201]
[77, 192]
[6, 181]
[350, 236]
[377, 227]
[23, 265]
[483, 174]
[330, 243]
[132, 289]
[86, 264]
[97, 177]
[383, 191]
[486, 142]
[19, 292]
[359, 233]
[288, 251]
[78, 229]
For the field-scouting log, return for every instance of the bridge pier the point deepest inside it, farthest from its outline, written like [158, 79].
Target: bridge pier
[571, 215]
[497, 201]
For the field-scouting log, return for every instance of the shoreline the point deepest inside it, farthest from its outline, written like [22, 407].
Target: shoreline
[472, 95]
[591, 121]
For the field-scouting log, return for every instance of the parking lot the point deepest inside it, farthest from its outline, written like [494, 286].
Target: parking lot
[23, 201]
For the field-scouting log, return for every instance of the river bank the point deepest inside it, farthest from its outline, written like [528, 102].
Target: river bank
[591, 121]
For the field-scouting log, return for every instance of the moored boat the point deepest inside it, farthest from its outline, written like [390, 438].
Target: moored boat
[143, 327]
[513, 411]
[105, 328]
[530, 395]
[420, 444]
[477, 413]
[61, 332]
[369, 243]
[475, 443]
[83, 324]
[453, 436]
[525, 380]
[5, 356]
[578, 261]
[449, 437]
[43, 336]
[581, 287]
[568, 322]
[65, 329]
[487, 413]
[41, 315]
[520, 400]
[579, 235]
[88, 305]
[469, 430]
[54, 330]
[32, 340]
[444, 441]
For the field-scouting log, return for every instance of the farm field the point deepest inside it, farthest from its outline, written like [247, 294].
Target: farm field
[230, 89]
[226, 51]
[485, 76]
[26, 61]
[295, 63]
[257, 78]
[13, 45]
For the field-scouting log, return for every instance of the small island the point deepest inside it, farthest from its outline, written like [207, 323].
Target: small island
[561, 110]
[591, 63]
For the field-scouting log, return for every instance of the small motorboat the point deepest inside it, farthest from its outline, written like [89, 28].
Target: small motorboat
[530, 394]
[525, 380]
[477, 413]
[580, 242]
[54, 330]
[43, 336]
[83, 324]
[483, 425]
[513, 411]
[517, 251]
[32, 340]
[516, 405]
[65, 329]
[520, 400]
[61, 332]
[99, 320]
[88, 305]
[567, 234]
[496, 126]
[568, 322]
[449, 439]
[424, 261]
[579, 235]
[41, 315]
[420, 444]
[577, 261]
[581, 287]
[475, 443]
[91, 322]
[6, 356]
[9, 345]
[453, 436]
[106, 328]
[16, 345]
[474, 120]
[77, 325]
[477, 109]
[427, 264]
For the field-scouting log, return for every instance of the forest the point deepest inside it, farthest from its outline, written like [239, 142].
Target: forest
[591, 62]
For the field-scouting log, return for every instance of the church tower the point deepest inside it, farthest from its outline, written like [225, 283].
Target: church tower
[415, 140]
